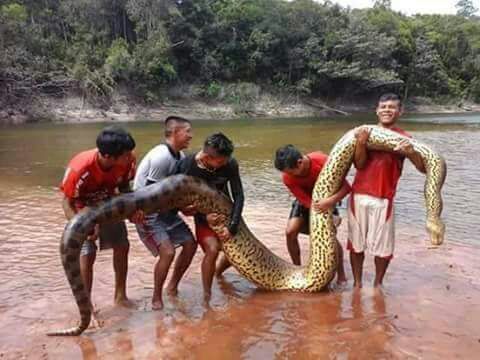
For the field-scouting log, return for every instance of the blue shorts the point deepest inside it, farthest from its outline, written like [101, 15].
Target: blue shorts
[160, 227]
[110, 236]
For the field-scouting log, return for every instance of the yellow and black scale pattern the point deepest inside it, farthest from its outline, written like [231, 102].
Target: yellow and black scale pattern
[247, 254]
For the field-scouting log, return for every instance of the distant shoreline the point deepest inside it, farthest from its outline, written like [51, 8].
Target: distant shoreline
[74, 110]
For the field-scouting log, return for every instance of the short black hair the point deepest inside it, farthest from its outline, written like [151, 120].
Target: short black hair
[219, 143]
[114, 141]
[390, 97]
[172, 121]
[286, 157]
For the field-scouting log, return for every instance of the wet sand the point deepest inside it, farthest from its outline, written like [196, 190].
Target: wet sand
[428, 308]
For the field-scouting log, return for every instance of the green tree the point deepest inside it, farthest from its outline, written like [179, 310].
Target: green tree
[382, 4]
[465, 8]
[474, 89]
[360, 59]
[428, 74]
[148, 15]
[301, 46]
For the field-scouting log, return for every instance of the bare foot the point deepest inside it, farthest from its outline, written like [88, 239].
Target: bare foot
[206, 300]
[378, 288]
[157, 304]
[95, 322]
[339, 284]
[357, 286]
[125, 302]
[341, 279]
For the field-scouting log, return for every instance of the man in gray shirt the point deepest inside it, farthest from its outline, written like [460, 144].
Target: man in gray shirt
[163, 232]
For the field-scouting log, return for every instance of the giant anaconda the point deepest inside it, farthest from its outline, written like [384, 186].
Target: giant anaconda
[248, 255]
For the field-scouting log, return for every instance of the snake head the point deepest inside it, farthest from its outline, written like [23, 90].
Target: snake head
[436, 228]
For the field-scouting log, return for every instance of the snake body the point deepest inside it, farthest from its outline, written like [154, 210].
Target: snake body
[247, 254]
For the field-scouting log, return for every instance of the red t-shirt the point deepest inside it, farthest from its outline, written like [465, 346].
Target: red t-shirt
[379, 177]
[86, 183]
[302, 187]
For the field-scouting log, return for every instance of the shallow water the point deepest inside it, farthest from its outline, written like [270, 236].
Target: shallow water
[425, 310]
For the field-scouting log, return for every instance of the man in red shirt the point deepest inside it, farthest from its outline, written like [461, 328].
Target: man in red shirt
[370, 210]
[94, 176]
[299, 174]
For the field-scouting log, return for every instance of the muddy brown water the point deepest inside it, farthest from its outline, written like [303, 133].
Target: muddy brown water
[428, 309]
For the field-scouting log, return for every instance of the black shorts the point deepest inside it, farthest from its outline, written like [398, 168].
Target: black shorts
[298, 210]
[110, 235]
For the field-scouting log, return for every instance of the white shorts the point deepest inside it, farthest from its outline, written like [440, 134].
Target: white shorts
[368, 226]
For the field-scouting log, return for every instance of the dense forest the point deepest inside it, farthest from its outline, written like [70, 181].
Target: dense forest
[94, 47]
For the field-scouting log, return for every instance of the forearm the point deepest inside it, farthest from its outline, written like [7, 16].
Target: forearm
[68, 208]
[361, 156]
[238, 201]
[236, 215]
[125, 187]
[70, 211]
[417, 161]
[301, 195]
[340, 194]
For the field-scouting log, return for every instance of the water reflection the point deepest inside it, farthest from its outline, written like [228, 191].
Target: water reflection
[87, 346]
[284, 325]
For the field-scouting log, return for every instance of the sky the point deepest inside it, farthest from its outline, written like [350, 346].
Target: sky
[411, 7]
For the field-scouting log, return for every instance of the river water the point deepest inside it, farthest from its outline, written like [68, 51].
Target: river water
[425, 310]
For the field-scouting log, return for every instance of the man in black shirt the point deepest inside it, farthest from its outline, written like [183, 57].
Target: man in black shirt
[218, 168]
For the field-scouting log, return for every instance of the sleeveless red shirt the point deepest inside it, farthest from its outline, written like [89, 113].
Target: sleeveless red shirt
[379, 177]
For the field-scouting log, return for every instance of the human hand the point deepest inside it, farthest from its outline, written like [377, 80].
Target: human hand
[189, 210]
[361, 134]
[137, 217]
[405, 148]
[215, 219]
[94, 235]
[337, 220]
[322, 205]
[224, 234]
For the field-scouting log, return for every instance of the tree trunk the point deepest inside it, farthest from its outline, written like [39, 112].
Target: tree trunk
[405, 93]
[125, 25]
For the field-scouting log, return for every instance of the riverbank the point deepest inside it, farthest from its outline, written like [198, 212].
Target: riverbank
[75, 109]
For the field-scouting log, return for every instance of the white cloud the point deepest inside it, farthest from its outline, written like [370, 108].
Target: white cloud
[410, 6]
